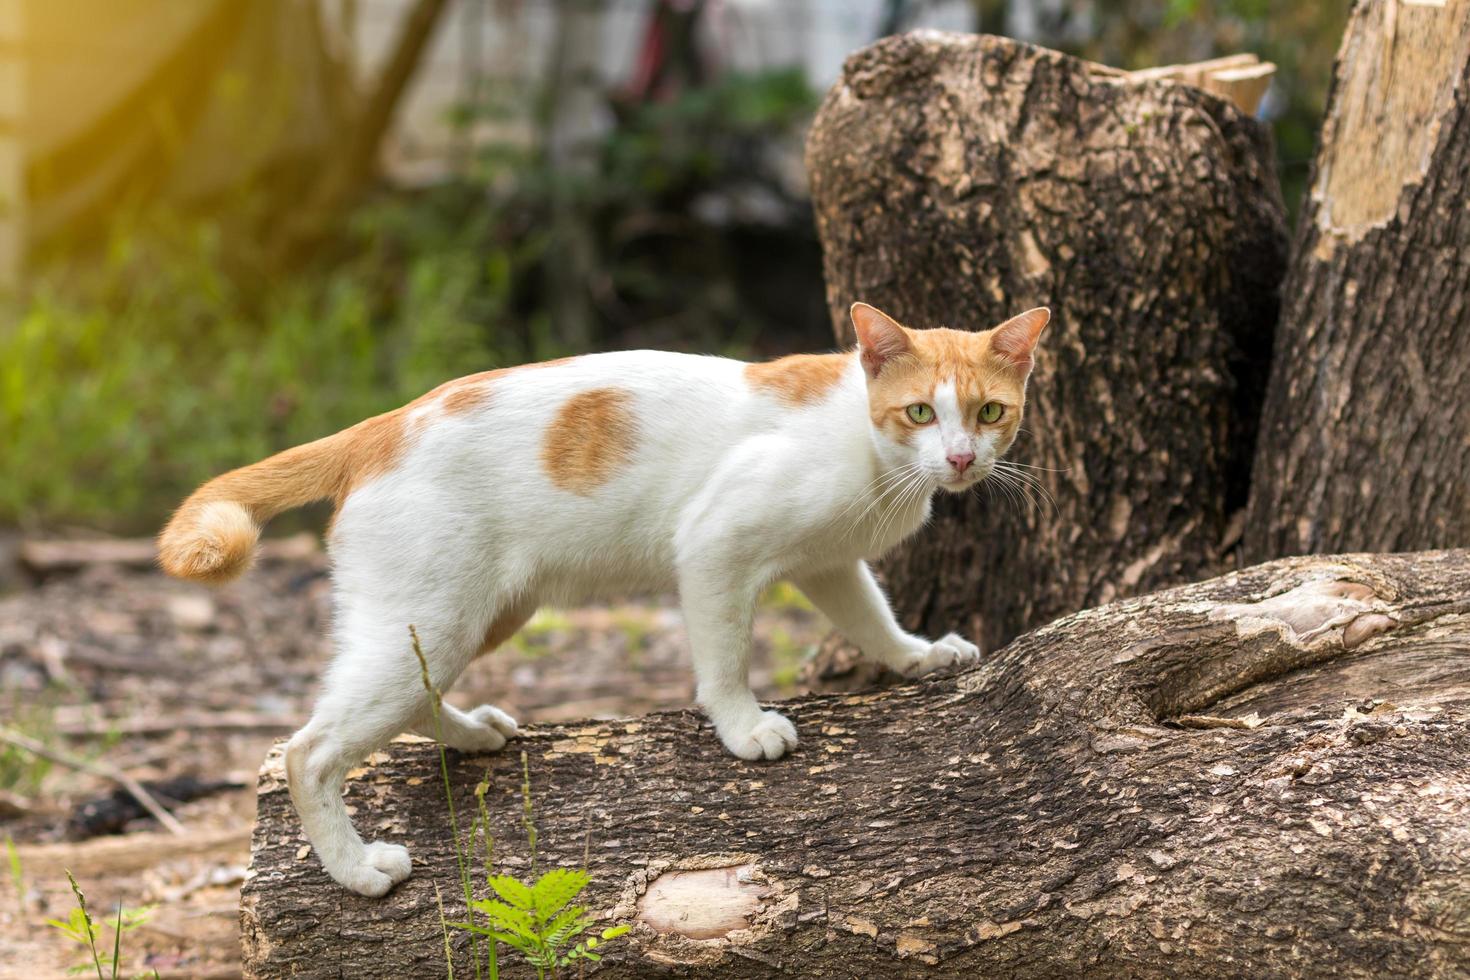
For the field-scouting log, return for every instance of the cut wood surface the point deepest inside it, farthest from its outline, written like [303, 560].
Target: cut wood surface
[1241, 78]
[1365, 437]
[958, 180]
[1260, 775]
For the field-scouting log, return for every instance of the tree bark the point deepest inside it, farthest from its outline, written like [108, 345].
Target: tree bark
[1260, 775]
[958, 180]
[1365, 438]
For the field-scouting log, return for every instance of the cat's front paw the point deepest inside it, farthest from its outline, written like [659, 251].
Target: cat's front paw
[950, 651]
[380, 867]
[769, 736]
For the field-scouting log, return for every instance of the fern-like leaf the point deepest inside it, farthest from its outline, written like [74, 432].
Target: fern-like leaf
[506, 917]
[553, 890]
[572, 922]
[513, 892]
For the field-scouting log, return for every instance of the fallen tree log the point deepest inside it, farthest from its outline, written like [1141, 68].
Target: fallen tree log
[1262, 774]
[957, 180]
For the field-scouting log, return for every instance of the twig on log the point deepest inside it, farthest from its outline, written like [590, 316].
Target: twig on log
[1249, 722]
[134, 788]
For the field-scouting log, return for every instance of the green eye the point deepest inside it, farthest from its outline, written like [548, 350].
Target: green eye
[921, 414]
[992, 411]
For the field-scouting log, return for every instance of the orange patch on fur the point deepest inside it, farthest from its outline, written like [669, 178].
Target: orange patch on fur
[592, 435]
[473, 390]
[462, 398]
[800, 378]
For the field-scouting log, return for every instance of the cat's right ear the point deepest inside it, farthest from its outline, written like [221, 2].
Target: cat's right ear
[880, 338]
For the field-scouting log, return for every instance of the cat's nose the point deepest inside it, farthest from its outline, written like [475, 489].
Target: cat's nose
[961, 461]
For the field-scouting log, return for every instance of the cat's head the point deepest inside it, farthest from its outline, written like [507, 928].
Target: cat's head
[946, 403]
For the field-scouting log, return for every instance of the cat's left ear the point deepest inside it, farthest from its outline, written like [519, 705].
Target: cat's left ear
[880, 337]
[1015, 339]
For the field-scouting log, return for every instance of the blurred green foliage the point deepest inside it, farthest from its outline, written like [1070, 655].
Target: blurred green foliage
[124, 383]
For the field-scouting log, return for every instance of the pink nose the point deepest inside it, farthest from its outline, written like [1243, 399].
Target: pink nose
[961, 461]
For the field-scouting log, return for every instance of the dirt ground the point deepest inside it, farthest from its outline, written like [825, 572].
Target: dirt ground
[123, 668]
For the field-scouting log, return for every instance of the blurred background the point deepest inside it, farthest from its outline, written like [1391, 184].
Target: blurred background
[231, 227]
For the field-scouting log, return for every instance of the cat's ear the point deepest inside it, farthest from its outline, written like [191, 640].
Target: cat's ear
[1015, 339]
[880, 338]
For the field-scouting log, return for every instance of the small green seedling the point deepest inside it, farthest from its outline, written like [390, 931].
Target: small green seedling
[80, 927]
[540, 919]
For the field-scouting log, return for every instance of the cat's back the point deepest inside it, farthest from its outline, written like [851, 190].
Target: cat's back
[678, 413]
[667, 392]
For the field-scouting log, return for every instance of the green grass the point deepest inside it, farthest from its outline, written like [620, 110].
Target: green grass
[21, 771]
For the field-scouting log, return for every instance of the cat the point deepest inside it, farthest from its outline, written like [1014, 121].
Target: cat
[465, 510]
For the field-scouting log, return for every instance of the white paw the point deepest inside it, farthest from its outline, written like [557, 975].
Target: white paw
[950, 651]
[488, 732]
[770, 737]
[382, 866]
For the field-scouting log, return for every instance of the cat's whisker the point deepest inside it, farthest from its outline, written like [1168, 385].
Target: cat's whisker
[1030, 480]
[890, 477]
[895, 491]
[1024, 483]
[1007, 484]
[915, 483]
[1009, 463]
[881, 477]
[1008, 490]
[993, 491]
[905, 496]
[898, 477]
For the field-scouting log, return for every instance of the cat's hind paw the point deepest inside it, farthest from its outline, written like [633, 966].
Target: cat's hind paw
[482, 729]
[770, 737]
[950, 651]
[491, 722]
[381, 867]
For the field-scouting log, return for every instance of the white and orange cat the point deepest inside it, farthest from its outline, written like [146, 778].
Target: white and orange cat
[465, 510]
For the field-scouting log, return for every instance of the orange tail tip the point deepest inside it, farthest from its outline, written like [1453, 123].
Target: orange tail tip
[211, 541]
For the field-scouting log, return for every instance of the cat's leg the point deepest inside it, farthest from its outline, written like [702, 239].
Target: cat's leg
[851, 598]
[372, 691]
[486, 728]
[718, 610]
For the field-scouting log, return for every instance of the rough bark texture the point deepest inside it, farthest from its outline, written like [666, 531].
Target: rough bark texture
[1260, 775]
[1365, 442]
[958, 180]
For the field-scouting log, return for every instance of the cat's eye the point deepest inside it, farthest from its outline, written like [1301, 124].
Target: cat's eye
[992, 411]
[921, 414]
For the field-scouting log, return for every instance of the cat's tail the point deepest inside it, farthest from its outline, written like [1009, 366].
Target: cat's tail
[212, 536]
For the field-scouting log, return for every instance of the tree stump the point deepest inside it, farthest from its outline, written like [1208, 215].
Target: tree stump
[1260, 775]
[1365, 437]
[958, 180]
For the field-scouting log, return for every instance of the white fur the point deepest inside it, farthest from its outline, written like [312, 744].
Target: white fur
[727, 490]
